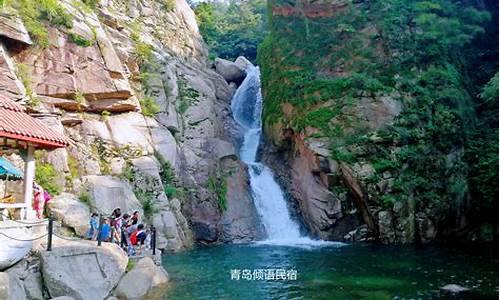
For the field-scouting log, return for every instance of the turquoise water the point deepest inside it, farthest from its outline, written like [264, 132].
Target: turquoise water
[349, 272]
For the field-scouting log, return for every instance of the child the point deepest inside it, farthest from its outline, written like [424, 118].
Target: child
[38, 200]
[93, 227]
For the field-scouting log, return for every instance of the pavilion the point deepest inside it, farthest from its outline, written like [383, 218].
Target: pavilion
[23, 133]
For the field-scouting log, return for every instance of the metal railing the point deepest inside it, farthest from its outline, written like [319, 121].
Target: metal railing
[50, 232]
[5, 207]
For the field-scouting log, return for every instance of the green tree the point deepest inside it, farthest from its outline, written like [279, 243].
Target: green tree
[232, 29]
[482, 150]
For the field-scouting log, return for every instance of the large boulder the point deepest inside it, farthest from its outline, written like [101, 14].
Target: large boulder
[204, 218]
[229, 70]
[10, 85]
[385, 225]
[83, 270]
[243, 62]
[13, 28]
[222, 149]
[25, 280]
[169, 233]
[148, 166]
[108, 193]
[223, 91]
[71, 212]
[319, 207]
[11, 287]
[12, 251]
[16, 289]
[240, 222]
[130, 129]
[165, 145]
[33, 286]
[140, 280]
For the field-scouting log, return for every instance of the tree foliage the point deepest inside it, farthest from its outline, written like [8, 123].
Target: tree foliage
[234, 28]
[434, 57]
[482, 149]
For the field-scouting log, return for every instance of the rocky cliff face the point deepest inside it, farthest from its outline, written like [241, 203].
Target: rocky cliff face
[353, 123]
[130, 83]
[331, 195]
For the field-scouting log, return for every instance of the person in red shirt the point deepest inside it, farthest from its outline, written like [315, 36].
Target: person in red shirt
[138, 237]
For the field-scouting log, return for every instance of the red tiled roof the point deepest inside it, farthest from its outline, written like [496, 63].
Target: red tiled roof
[16, 124]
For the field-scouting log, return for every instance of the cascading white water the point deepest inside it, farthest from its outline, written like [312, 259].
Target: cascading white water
[268, 196]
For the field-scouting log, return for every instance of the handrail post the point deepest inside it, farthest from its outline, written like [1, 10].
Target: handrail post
[49, 236]
[99, 236]
[112, 230]
[123, 238]
[153, 239]
[112, 234]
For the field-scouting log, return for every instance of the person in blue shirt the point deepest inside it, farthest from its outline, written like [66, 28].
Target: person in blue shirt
[93, 227]
[106, 231]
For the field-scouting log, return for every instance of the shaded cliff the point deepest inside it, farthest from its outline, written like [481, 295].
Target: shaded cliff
[372, 107]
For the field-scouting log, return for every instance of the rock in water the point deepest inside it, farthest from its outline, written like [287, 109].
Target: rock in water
[83, 270]
[454, 289]
[143, 278]
[229, 70]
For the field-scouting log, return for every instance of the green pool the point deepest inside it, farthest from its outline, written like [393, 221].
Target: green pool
[349, 272]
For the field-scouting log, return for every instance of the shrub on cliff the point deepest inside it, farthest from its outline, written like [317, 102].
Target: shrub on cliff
[35, 12]
[45, 175]
[79, 40]
[149, 107]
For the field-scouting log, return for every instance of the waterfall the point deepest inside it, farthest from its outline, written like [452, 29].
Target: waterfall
[267, 194]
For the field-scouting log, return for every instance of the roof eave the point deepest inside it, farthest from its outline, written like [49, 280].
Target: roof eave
[39, 142]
